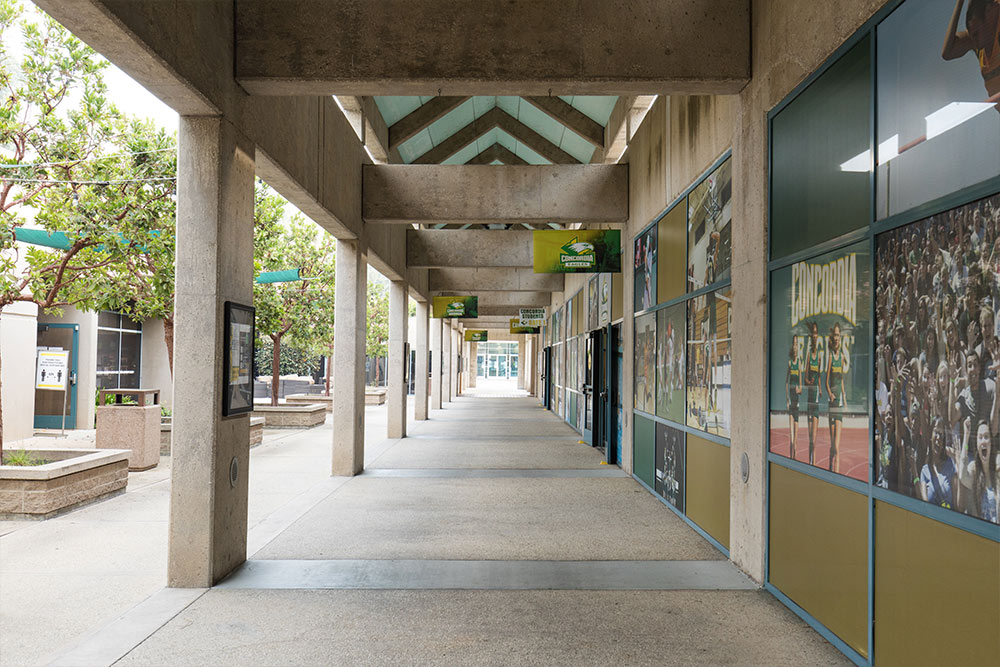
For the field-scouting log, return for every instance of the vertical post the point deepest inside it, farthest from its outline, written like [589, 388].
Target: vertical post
[520, 361]
[399, 314]
[349, 358]
[473, 363]
[437, 348]
[529, 365]
[208, 490]
[456, 350]
[420, 393]
[446, 360]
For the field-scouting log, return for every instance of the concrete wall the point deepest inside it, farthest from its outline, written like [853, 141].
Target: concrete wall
[18, 333]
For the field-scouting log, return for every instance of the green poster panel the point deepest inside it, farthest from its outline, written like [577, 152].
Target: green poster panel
[456, 306]
[644, 450]
[476, 335]
[577, 251]
[517, 326]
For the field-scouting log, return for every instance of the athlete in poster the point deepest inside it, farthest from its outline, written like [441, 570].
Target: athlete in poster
[813, 367]
[981, 36]
[793, 392]
[837, 364]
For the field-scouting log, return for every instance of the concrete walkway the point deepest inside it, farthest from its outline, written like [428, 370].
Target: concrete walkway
[490, 536]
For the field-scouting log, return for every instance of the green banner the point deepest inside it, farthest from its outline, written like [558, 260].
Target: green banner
[578, 251]
[517, 326]
[476, 335]
[456, 306]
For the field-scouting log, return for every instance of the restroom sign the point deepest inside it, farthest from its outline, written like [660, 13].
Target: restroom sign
[52, 369]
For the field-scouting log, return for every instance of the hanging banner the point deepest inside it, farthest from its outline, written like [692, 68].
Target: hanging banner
[577, 251]
[476, 335]
[52, 369]
[519, 326]
[534, 316]
[456, 306]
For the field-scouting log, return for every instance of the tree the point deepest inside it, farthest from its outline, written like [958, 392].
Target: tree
[377, 329]
[66, 165]
[300, 309]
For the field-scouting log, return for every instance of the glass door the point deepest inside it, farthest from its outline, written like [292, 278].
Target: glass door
[49, 404]
[588, 388]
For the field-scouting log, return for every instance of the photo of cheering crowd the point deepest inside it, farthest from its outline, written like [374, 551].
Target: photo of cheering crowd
[937, 357]
[709, 364]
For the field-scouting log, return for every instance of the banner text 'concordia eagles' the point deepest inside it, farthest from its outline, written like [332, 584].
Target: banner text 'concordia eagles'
[825, 289]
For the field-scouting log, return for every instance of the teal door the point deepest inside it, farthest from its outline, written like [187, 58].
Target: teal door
[49, 403]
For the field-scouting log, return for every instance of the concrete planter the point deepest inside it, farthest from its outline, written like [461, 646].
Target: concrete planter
[74, 478]
[133, 427]
[167, 428]
[374, 396]
[291, 416]
[306, 399]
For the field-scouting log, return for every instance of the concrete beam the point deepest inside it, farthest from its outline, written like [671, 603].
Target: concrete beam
[440, 248]
[574, 119]
[501, 311]
[421, 118]
[515, 299]
[325, 47]
[497, 152]
[493, 280]
[495, 194]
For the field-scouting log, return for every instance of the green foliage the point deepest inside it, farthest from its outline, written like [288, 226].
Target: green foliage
[303, 309]
[22, 457]
[292, 360]
[377, 330]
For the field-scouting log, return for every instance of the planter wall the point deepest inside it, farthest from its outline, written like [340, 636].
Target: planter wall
[74, 478]
[291, 416]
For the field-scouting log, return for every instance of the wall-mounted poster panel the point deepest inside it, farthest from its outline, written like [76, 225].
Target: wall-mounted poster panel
[710, 228]
[671, 246]
[645, 270]
[645, 363]
[671, 328]
[477, 335]
[455, 306]
[577, 251]
[938, 100]
[937, 358]
[593, 302]
[604, 282]
[819, 360]
[709, 364]
[821, 157]
[670, 465]
[557, 318]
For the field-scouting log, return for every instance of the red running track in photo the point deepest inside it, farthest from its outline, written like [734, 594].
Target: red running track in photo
[853, 443]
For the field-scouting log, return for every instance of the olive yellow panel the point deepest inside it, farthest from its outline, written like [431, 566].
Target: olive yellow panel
[708, 487]
[819, 551]
[671, 253]
[579, 316]
[937, 592]
[617, 292]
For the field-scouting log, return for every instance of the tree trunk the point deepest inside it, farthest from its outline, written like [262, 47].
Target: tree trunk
[168, 338]
[329, 371]
[275, 368]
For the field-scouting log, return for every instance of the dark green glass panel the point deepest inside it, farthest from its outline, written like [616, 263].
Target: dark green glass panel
[644, 450]
[821, 160]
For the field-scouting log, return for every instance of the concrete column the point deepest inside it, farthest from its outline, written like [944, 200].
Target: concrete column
[456, 351]
[349, 358]
[446, 354]
[437, 364]
[529, 365]
[208, 491]
[473, 368]
[420, 393]
[467, 364]
[521, 356]
[399, 315]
